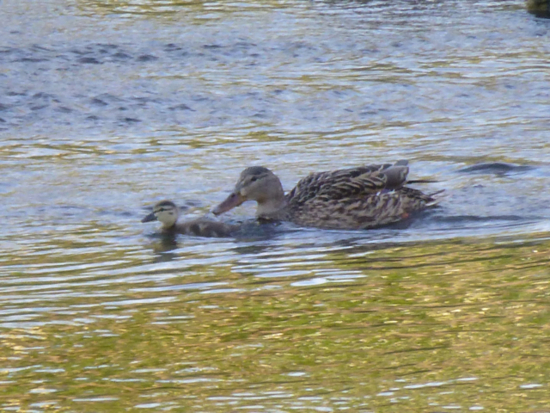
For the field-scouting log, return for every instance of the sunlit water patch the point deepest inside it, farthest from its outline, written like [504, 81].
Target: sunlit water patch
[355, 326]
[108, 107]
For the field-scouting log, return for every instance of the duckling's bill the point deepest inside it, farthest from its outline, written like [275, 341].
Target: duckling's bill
[150, 217]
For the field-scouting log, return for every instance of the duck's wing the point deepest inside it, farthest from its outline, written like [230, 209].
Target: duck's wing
[349, 183]
[382, 208]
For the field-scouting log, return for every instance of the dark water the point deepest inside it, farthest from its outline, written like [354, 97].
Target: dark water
[107, 107]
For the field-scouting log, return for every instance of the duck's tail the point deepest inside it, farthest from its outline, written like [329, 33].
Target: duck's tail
[421, 181]
[436, 198]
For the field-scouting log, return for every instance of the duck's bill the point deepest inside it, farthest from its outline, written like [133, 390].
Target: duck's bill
[231, 202]
[150, 217]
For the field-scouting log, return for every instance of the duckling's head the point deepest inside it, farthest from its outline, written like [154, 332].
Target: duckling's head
[255, 184]
[166, 212]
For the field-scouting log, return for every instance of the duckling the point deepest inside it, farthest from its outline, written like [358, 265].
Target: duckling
[357, 198]
[168, 213]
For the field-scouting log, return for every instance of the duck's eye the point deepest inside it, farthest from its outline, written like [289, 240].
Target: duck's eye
[253, 179]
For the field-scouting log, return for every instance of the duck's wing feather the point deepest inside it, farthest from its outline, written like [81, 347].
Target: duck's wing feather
[382, 208]
[349, 183]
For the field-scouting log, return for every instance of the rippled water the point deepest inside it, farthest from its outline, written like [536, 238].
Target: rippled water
[107, 107]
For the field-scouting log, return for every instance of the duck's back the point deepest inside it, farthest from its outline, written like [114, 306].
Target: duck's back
[357, 198]
[370, 211]
[348, 183]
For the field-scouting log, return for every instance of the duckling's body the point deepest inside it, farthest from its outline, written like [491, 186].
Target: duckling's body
[168, 213]
[357, 198]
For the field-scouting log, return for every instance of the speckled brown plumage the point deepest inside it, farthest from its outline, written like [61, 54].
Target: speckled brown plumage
[356, 198]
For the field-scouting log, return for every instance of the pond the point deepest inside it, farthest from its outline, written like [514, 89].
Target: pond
[107, 107]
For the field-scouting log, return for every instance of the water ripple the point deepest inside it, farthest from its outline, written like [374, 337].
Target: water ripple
[107, 107]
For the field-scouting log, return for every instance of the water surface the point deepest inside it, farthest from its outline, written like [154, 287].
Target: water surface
[107, 107]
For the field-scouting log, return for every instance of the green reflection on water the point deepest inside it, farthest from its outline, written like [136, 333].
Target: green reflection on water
[420, 327]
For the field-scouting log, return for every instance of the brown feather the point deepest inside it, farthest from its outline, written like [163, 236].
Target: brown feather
[364, 197]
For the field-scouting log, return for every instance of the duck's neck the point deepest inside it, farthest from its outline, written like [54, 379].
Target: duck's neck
[270, 208]
[169, 225]
[273, 203]
[271, 198]
[169, 229]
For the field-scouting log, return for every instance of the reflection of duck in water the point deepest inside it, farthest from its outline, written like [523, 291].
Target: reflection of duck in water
[358, 198]
[167, 213]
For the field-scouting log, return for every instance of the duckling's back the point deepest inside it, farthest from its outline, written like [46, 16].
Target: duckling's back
[205, 228]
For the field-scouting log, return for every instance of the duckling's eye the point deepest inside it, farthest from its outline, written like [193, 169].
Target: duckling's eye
[253, 179]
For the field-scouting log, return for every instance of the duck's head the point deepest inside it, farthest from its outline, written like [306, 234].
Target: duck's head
[255, 184]
[164, 211]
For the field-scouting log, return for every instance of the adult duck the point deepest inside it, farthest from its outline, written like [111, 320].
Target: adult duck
[357, 198]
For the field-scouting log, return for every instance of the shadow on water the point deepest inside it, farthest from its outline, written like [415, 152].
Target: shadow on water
[497, 168]
[163, 245]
